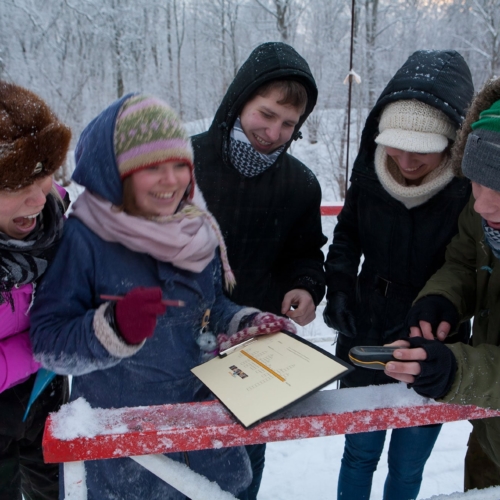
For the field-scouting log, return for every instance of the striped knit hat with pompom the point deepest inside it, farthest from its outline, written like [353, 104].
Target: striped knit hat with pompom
[148, 132]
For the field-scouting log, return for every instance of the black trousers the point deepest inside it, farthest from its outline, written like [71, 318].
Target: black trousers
[480, 471]
[22, 469]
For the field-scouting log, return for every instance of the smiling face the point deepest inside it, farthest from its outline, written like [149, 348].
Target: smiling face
[415, 166]
[158, 190]
[19, 209]
[487, 204]
[268, 124]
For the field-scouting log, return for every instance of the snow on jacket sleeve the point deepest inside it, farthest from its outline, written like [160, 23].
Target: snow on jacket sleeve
[477, 380]
[303, 258]
[62, 318]
[344, 253]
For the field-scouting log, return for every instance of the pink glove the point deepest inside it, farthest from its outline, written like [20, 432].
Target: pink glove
[262, 324]
[136, 313]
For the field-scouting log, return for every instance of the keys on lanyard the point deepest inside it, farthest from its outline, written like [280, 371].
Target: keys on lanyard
[206, 339]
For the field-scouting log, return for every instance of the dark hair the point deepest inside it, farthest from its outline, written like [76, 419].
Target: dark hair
[128, 206]
[292, 92]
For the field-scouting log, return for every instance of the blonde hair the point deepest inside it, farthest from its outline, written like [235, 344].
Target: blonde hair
[55, 193]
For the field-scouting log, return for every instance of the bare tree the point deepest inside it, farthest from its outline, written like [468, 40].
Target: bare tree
[169, 48]
[371, 18]
[286, 14]
[80, 55]
[180, 24]
[483, 36]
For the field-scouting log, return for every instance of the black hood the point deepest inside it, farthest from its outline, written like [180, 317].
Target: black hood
[269, 61]
[440, 78]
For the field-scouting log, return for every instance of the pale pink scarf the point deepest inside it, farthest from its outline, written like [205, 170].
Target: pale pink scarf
[186, 239]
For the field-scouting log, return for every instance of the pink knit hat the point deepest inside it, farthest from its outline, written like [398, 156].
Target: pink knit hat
[149, 132]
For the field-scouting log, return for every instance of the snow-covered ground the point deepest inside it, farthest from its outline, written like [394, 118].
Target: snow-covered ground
[309, 468]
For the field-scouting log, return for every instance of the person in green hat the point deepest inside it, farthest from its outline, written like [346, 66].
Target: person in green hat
[467, 285]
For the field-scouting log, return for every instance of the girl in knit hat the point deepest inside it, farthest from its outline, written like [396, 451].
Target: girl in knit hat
[468, 284]
[141, 233]
[400, 212]
[33, 144]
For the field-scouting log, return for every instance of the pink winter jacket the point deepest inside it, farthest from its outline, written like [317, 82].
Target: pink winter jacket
[16, 359]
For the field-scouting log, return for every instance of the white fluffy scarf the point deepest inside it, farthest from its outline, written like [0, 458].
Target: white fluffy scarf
[395, 184]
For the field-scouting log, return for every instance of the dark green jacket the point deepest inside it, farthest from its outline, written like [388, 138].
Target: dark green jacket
[271, 222]
[470, 278]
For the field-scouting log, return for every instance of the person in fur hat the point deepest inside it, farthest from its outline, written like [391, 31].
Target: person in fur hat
[467, 285]
[400, 212]
[141, 232]
[33, 145]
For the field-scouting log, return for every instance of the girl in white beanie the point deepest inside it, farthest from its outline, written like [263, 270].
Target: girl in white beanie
[400, 212]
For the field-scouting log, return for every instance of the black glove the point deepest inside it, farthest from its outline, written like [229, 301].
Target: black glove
[338, 313]
[433, 309]
[437, 371]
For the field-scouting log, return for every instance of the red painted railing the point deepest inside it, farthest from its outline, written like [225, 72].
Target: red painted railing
[333, 209]
[197, 426]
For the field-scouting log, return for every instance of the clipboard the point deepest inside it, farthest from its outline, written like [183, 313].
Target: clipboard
[259, 378]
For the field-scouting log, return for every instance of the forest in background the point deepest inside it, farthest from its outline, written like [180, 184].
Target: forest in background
[80, 55]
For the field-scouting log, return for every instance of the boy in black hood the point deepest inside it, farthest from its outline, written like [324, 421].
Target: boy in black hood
[266, 202]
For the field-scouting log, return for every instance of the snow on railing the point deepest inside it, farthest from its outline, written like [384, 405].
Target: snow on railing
[152, 431]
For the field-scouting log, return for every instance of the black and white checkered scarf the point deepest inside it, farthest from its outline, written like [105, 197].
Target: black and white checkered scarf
[492, 238]
[24, 261]
[245, 158]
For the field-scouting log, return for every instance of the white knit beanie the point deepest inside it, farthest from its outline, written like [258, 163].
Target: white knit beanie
[416, 127]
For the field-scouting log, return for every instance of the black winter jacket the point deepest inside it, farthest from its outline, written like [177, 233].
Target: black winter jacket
[271, 223]
[402, 247]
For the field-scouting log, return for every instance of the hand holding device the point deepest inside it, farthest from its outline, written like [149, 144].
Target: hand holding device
[373, 357]
[432, 316]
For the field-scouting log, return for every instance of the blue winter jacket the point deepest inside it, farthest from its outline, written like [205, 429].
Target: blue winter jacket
[109, 373]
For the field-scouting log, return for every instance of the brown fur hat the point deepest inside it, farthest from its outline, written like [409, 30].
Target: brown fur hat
[489, 94]
[33, 143]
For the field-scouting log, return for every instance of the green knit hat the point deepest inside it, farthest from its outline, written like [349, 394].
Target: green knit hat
[481, 160]
[148, 132]
[489, 119]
